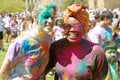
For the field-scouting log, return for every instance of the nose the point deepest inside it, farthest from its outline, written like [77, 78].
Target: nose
[111, 20]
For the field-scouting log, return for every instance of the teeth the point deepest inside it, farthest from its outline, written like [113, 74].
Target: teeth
[72, 36]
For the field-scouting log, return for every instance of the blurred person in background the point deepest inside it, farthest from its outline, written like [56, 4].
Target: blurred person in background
[14, 28]
[27, 23]
[115, 20]
[102, 32]
[58, 30]
[49, 27]
[2, 28]
[117, 41]
[92, 24]
[6, 20]
[110, 48]
[116, 31]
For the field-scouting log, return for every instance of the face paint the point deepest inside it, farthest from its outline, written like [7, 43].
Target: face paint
[74, 32]
[111, 56]
[76, 26]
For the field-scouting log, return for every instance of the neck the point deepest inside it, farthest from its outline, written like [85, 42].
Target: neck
[75, 44]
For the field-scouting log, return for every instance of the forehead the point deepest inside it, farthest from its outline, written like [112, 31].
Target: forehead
[72, 20]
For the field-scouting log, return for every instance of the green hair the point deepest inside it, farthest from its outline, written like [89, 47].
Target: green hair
[117, 41]
[109, 45]
[45, 13]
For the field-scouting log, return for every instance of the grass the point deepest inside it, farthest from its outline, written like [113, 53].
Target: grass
[13, 6]
[2, 56]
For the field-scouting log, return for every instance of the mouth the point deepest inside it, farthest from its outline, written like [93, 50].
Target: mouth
[72, 36]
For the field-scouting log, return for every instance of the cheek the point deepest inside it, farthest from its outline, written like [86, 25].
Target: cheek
[79, 37]
[107, 56]
[118, 50]
[109, 21]
[106, 21]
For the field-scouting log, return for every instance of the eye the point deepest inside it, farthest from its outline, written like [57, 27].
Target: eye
[108, 51]
[114, 52]
[66, 27]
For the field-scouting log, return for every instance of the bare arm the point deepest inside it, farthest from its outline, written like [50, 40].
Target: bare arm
[7, 65]
[51, 62]
[5, 69]
[101, 65]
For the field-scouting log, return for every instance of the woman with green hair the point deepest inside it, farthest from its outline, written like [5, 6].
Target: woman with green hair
[27, 57]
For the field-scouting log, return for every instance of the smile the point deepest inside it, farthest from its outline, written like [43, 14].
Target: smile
[71, 35]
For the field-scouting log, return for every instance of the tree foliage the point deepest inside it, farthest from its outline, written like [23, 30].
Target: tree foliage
[12, 5]
[66, 3]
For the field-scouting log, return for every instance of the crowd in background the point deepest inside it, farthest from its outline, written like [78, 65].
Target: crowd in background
[13, 24]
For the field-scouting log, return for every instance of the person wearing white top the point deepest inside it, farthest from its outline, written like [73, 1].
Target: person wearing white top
[1, 33]
[100, 33]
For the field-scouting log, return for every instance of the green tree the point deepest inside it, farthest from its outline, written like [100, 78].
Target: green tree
[66, 3]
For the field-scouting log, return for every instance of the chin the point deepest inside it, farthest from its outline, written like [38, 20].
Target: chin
[73, 40]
